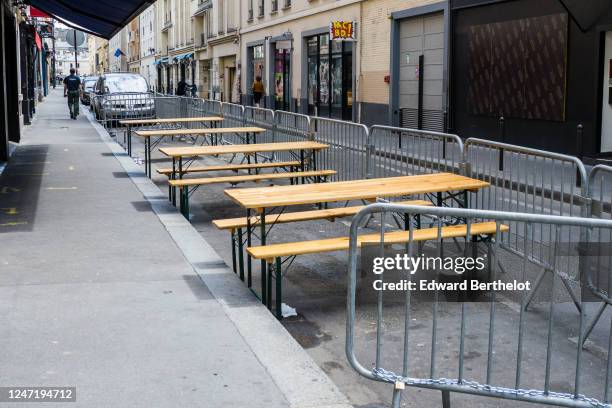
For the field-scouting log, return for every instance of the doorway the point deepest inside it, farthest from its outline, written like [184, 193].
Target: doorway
[282, 72]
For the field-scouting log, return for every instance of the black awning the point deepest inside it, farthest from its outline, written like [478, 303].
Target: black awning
[103, 18]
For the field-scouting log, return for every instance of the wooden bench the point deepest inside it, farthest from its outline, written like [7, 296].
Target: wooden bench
[232, 167]
[236, 225]
[272, 254]
[184, 184]
[172, 173]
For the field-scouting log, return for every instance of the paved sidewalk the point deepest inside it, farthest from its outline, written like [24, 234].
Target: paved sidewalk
[104, 286]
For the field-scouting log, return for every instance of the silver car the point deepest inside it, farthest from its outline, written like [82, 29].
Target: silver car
[122, 96]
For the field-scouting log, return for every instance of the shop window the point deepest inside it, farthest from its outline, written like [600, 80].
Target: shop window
[330, 76]
[274, 7]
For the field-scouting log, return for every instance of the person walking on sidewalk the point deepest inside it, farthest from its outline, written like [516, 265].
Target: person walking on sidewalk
[258, 90]
[72, 85]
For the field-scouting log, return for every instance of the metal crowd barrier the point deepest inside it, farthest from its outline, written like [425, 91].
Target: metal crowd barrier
[110, 109]
[529, 181]
[600, 193]
[291, 127]
[347, 152]
[263, 118]
[399, 152]
[478, 348]
[233, 116]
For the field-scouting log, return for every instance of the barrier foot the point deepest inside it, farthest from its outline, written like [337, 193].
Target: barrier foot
[593, 322]
[446, 399]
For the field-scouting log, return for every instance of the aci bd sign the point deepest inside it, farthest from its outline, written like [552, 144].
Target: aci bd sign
[343, 30]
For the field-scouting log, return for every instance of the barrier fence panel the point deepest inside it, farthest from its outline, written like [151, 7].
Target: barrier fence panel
[530, 181]
[400, 152]
[212, 108]
[600, 193]
[470, 343]
[166, 107]
[291, 127]
[110, 109]
[233, 116]
[263, 118]
[347, 147]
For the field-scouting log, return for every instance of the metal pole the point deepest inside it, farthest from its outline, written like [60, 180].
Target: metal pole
[76, 53]
[53, 59]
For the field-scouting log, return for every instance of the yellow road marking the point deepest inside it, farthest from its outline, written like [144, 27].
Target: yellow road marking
[7, 189]
[12, 224]
[10, 211]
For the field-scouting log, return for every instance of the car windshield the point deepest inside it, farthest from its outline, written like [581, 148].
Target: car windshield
[126, 83]
[90, 84]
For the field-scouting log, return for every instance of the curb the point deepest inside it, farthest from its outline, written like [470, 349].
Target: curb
[296, 375]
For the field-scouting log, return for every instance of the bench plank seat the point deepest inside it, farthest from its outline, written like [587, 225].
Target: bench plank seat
[326, 214]
[231, 167]
[273, 251]
[250, 177]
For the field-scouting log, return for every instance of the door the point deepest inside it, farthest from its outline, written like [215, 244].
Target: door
[606, 105]
[421, 94]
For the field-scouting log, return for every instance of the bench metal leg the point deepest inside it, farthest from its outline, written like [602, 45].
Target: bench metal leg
[241, 255]
[233, 238]
[184, 201]
[269, 271]
[279, 288]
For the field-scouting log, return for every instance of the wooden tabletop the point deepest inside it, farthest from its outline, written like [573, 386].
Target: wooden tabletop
[170, 120]
[371, 189]
[241, 148]
[199, 131]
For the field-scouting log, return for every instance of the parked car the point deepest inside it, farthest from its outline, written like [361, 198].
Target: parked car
[122, 95]
[87, 87]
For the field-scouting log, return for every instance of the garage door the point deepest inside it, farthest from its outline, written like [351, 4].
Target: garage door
[422, 36]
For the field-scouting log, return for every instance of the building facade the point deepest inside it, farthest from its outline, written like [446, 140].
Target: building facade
[117, 51]
[133, 48]
[148, 46]
[288, 45]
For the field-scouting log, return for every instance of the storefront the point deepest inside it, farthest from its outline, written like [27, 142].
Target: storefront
[282, 75]
[329, 76]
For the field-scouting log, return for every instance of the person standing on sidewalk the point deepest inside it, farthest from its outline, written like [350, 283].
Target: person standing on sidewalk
[72, 85]
[258, 90]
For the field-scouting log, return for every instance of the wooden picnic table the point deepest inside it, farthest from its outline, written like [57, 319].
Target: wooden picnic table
[179, 153]
[260, 199]
[153, 121]
[161, 133]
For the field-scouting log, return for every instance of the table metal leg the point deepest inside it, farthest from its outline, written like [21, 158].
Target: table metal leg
[262, 232]
[172, 191]
[129, 141]
[249, 266]
[233, 236]
[240, 254]
[148, 139]
[303, 164]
